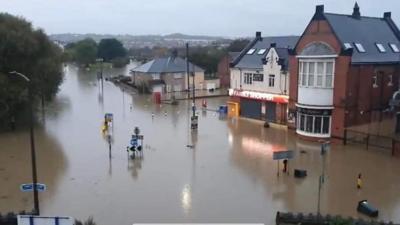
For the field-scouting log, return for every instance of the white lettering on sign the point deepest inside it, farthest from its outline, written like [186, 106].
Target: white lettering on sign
[259, 96]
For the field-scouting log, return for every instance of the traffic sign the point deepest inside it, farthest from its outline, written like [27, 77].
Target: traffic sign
[134, 142]
[283, 155]
[29, 187]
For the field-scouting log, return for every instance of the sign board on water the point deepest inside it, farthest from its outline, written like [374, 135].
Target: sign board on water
[29, 187]
[283, 155]
[44, 220]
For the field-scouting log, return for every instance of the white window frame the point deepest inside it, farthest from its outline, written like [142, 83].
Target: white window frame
[394, 47]
[360, 47]
[347, 45]
[248, 78]
[251, 51]
[271, 77]
[380, 47]
[312, 133]
[304, 69]
[261, 51]
[156, 76]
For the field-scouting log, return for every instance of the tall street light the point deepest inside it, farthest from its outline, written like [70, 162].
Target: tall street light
[33, 152]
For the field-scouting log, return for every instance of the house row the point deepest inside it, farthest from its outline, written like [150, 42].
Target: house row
[342, 71]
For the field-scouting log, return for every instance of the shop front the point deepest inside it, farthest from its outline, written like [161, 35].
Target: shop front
[261, 106]
[314, 122]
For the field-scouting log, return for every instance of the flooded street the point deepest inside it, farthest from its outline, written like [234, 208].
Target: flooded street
[229, 176]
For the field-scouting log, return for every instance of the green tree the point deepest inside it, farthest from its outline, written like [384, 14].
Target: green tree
[29, 52]
[110, 49]
[85, 51]
[237, 45]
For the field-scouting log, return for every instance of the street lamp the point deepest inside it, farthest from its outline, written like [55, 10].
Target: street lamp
[324, 148]
[101, 71]
[33, 152]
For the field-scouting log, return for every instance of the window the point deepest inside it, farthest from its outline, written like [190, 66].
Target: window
[380, 47]
[375, 81]
[347, 45]
[258, 77]
[316, 73]
[304, 75]
[329, 74]
[248, 78]
[311, 69]
[251, 51]
[320, 73]
[394, 47]
[261, 51]
[178, 75]
[314, 124]
[271, 80]
[390, 78]
[359, 47]
[155, 76]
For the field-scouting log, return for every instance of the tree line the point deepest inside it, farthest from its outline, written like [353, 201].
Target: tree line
[85, 52]
[30, 52]
[207, 57]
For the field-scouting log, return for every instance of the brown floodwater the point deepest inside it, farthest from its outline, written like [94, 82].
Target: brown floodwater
[229, 176]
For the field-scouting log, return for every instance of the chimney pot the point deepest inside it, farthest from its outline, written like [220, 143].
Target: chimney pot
[387, 15]
[319, 9]
[258, 34]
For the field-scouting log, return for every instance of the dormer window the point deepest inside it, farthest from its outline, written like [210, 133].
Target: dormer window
[359, 47]
[380, 47]
[347, 45]
[261, 51]
[394, 47]
[251, 51]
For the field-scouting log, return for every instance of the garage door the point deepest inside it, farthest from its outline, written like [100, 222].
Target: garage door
[250, 108]
[271, 111]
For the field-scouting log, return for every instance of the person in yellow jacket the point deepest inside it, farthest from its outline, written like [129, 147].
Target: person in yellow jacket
[359, 181]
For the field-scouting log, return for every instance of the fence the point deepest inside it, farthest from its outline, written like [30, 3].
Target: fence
[388, 144]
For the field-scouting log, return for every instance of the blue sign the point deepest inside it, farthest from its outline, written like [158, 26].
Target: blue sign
[134, 142]
[29, 187]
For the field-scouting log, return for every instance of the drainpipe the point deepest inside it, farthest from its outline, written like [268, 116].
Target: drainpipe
[240, 82]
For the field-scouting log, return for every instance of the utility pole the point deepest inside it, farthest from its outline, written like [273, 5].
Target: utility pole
[194, 118]
[101, 71]
[187, 68]
[32, 142]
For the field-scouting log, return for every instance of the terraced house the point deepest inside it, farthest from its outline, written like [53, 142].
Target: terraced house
[259, 86]
[344, 70]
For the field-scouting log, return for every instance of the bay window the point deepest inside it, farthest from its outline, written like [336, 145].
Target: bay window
[316, 73]
[314, 121]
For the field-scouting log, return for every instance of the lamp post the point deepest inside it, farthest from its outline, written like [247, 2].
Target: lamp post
[32, 141]
[324, 149]
[101, 71]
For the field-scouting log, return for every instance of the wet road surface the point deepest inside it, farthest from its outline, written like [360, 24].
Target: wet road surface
[229, 176]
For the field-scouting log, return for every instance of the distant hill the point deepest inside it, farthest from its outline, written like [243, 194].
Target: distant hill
[129, 41]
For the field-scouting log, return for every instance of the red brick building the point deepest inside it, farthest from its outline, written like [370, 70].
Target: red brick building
[224, 70]
[344, 70]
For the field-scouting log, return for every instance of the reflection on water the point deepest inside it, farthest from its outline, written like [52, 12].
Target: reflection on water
[228, 175]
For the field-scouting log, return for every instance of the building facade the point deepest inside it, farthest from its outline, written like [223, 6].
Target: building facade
[224, 69]
[259, 84]
[167, 74]
[344, 70]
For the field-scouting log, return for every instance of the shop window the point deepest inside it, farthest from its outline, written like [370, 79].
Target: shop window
[309, 124]
[271, 80]
[302, 120]
[326, 125]
[317, 124]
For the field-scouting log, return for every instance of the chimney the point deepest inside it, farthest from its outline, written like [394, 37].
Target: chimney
[258, 34]
[356, 11]
[387, 15]
[319, 9]
[273, 45]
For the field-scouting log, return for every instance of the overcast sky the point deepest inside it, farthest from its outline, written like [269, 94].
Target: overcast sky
[206, 17]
